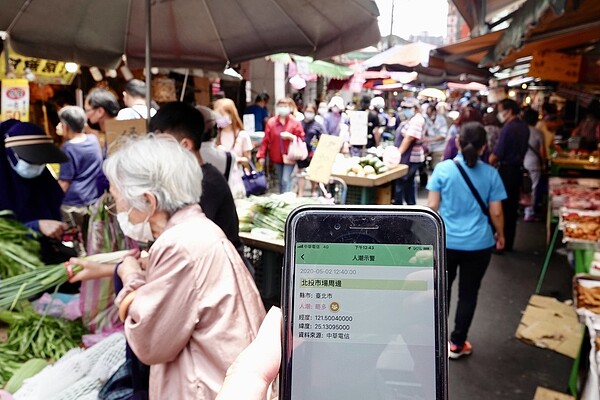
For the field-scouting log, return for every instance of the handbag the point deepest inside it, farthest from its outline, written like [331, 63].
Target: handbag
[254, 181]
[482, 205]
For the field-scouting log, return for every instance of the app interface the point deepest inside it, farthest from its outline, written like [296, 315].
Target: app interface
[363, 322]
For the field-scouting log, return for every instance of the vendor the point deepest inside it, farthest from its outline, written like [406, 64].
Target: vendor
[28, 188]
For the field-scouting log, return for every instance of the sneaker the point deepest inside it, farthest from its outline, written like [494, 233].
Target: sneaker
[455, 352]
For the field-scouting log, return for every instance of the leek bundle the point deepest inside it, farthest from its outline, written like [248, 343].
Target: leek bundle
[42, 279]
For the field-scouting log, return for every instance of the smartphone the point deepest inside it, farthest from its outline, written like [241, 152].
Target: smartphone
[364, 308]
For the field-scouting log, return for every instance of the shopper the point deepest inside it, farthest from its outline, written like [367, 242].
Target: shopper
[100, 106]
[467, 114]
[469, 235]
[28, 188]
[193, 307]
[231, 135]
[435, 136]
[259, 110]
[535, 159]
[279, 131]
[134, 97]
[78, 176]
[313, 131]
[408, 138]
[193, 129]
[508, 157]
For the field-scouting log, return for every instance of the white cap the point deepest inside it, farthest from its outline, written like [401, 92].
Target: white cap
[336, 101]
[409, 102]
[377, 102]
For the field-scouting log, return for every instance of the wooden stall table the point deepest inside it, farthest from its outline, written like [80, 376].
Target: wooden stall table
[372, 189]
[559, 165]
[266, 255]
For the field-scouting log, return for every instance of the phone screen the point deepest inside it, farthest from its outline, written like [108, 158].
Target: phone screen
[364, 319]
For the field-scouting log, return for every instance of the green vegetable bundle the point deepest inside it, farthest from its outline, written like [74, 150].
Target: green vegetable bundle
[45, 278]
[32, 335]
[19, 250]
[271, 212]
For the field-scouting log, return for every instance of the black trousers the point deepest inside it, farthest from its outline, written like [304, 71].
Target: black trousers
[511, 177]
[471, 267]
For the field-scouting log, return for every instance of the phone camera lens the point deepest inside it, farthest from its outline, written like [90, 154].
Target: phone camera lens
[337, 227]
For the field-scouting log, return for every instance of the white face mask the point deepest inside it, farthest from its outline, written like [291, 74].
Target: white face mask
[309, 116]
[282, 111]
[501, 117]
[223, 121]
[26, 170]
[409, 112]
[140, 232]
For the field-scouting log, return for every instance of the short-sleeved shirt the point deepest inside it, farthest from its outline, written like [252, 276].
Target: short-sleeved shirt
[260, 114]
[438, 127]
[415, 127]
[512, 143]
[532, 160]
[82, 169]
[239, 145]
[467, 228]
[137, 111]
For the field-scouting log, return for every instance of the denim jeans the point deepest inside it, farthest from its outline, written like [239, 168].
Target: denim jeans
[405, 186]
[284, 174]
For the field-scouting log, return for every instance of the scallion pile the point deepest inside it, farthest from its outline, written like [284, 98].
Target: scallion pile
[19, 250]
[42, 279]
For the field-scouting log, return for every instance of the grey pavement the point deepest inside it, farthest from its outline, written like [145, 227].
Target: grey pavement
[501, 366]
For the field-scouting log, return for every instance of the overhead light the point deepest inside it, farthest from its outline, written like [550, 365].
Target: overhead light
[524, 59]
[527, 100]
[512, 93]
[524, 86]
[71, 67]
[111, 73]
[96, 74]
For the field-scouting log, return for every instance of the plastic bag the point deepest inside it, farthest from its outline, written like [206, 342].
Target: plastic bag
[297, 150]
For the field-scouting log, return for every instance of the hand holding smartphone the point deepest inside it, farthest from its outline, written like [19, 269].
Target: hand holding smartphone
[363, 298]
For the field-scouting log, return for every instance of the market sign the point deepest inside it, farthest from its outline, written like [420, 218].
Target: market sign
[554, 66]
[320, 166]
[15, 99]
[46, 72]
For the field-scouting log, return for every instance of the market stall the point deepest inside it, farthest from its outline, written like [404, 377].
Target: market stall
[373, 189]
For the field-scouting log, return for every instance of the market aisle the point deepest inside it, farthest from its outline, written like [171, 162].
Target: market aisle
[502, 367]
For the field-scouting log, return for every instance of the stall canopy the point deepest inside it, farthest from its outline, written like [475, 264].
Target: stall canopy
[185, 33]
[479, 14]
[317, 67]
[570, 26]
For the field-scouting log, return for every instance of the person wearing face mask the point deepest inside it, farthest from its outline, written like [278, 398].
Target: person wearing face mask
[192, 306]
[508, 156]
[279, 131]
[232, 136]
[408, 138]
[28, 188]
[312, 132]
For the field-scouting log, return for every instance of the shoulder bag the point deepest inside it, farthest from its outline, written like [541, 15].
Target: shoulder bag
[255, 181]
[482, 205]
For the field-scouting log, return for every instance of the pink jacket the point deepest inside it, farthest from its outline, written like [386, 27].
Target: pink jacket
[196, 308]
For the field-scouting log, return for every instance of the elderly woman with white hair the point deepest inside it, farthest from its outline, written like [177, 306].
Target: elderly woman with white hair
[192, 306]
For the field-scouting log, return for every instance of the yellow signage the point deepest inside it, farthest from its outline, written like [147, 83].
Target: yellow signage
[15, 99]
[45, 72]
[554, 66]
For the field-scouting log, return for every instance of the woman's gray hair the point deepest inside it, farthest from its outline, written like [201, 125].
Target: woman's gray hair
[159, 165]
[74, 117]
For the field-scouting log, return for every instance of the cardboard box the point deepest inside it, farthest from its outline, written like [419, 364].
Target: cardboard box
[547, 394]
[550, 324]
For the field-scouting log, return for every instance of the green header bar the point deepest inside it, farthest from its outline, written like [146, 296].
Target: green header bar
[351, 254]
[362, 284]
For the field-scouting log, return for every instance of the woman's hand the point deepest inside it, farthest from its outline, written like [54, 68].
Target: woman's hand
[287, 135]
[51, 228]
[499, 241]
[129, 265]
[95, 270]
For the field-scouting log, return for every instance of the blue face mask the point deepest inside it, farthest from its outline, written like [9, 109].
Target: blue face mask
[409, 112]
[26, 170]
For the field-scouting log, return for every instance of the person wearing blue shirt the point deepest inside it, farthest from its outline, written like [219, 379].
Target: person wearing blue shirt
[469, 235]
[259, 109]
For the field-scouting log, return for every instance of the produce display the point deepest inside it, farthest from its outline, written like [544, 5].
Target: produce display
[19, 250]
[367, 166]
[266, 215]
[34, 336]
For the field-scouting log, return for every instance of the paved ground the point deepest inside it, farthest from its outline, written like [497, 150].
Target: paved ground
[502, 367]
